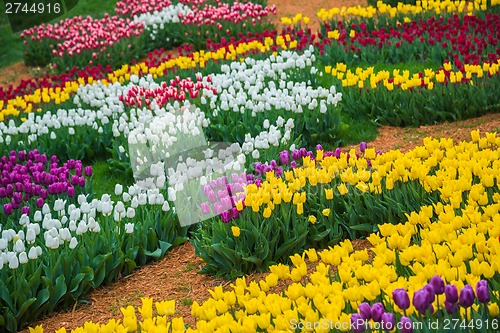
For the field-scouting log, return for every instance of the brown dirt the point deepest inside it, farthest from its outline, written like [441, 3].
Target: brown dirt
[175, 277]
[406, 139]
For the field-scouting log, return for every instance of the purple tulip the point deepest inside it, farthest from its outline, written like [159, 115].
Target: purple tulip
[364, 310]
[451, 293]
[482, 283]
[357, 323]
[450, 307]
[226, 216]
[211, 196]
[293, 164]
[438, 284]
[218, 209]
[377, 311]
[258, 181]
[234, 213]
[22, 155]
[7, 208]
[432, 294]
[71, 192]
[3, 193]
[81, 181]
[421, 300]
[401, 298]
[388, 321]
[362, 146]
[319, 147]
[303, 152]
[25, 210]
[205, 208]
[483, 293]
[74, 180]
[279, 172]
[40, 202]
[88, 171]
[273, 164]
[466, 297]
[284, 157]
[405, 325]
[296, 155]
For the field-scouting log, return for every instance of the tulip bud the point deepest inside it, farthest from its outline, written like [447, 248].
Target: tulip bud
[401, 298]
[377, 311]
[388, 321]
[483, 293]
[357, 323]
[467, 296]
[451, 293]
[438, 284]
[364, 310]
[450, 307]
[421, 300]
[405, 325]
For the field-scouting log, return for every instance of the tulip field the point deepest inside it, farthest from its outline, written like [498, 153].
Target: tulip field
[236, 144]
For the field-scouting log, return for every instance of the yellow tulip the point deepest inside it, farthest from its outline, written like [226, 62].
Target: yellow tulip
[236, 231]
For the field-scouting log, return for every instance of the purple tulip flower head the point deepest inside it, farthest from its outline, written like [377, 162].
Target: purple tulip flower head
[388, 321]
[405, 325]
[364, 310]
[401, 298]
[421, 300]
[7, 209]
[466, 297]
[483, 292]
[438, 284]
[226, 216]
[451, 308]
[284, 157]
[319, 147]
[296, 154]
[357, 323]
[431, 291]
[377, 311]
[451, 293]
[362, 146]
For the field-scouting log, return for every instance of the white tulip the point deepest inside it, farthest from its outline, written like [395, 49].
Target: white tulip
[32, 253]
[13, 261]
[23, 257]
[129, 228]
[130, 212]
[19, 246]
[118, 189]
[73, 243]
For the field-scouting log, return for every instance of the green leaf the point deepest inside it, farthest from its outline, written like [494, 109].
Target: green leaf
[253, 259]
[41, 300]
[24, 307]
[60, 289]
[155, 254]
[75, 282]
[165, 246]
[364, 227]
[287, 247]
[5, 295]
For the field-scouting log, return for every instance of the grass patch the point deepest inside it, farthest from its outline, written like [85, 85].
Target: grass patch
[359, 130]
[12, 44]
[187, 301]
[101, 181]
